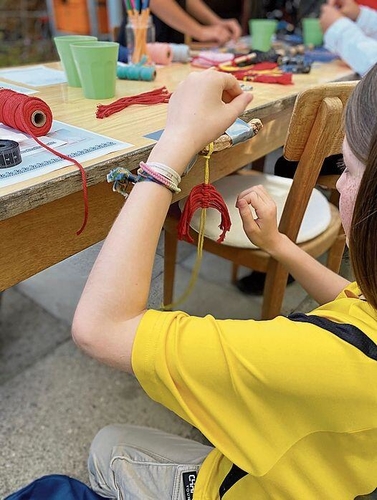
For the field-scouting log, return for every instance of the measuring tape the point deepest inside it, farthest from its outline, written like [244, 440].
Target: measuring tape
[10, 154]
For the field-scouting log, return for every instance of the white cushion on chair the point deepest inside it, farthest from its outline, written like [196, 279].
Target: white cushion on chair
[316, 219]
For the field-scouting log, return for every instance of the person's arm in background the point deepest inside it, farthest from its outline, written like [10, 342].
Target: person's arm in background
[200, 11]
[115, 297]
[364, 17]
[318, 281]
[367, 21]
[348, 38]
[177, 18]
[245, 16]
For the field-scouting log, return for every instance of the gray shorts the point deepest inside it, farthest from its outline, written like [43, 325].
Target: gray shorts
[128, 462]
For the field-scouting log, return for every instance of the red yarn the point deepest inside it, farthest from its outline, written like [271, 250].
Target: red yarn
[157, 96]
[19, 111]
[203, 196]
[283, 79]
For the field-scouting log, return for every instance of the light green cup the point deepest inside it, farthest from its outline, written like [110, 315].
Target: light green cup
[261, 31]
[96, 65]
[312, 32]
[63, 46]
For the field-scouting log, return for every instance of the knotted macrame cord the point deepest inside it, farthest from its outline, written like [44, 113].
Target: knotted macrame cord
[202, 196]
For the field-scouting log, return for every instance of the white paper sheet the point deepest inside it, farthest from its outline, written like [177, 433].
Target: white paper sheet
[74, 142]
[35, 76]
[17, 88]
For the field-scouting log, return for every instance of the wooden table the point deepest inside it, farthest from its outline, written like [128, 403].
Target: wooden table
[39, 218]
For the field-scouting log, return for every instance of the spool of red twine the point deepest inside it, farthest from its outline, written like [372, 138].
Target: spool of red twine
[34, 117]
[25, 113]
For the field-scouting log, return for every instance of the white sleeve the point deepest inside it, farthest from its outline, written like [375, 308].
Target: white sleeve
[367, 21]
[346, 39]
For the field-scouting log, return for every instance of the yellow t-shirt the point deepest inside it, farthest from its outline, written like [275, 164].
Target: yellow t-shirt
[290, 403]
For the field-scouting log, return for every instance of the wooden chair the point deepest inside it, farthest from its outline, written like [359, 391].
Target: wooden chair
[314, 133]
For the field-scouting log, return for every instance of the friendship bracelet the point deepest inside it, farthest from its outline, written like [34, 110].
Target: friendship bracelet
[159, 179]
[146, 171]
[121, 177]
[163, 170]
[162, 173]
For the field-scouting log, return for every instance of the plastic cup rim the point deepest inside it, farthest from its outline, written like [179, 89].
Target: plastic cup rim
[95, 44]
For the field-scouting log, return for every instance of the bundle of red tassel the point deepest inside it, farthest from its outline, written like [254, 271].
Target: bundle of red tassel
[157, 96]
[203, 196]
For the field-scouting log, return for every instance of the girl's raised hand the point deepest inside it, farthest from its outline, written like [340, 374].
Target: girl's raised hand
[204, 105]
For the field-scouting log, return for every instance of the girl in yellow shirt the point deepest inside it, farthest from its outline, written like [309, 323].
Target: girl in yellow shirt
[289, 404]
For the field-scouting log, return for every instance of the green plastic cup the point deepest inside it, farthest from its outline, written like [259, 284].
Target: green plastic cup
[63, 46]
[261, 31]
[96, 65]
[312, 32]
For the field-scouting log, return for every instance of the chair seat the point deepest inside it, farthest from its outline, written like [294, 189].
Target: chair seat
[316, 219]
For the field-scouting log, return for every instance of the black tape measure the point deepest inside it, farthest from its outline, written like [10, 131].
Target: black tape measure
[10, 154]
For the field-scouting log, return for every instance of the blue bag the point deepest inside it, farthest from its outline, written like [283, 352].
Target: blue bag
[55, 487]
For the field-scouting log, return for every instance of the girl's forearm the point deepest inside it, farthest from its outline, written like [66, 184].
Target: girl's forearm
[318, 281]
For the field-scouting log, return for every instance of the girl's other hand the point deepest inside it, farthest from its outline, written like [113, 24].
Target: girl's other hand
[262, 230]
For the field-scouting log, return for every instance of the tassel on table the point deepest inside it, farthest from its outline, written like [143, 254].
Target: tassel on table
[157, 96]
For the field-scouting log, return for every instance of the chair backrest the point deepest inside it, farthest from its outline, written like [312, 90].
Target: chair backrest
[315, 132]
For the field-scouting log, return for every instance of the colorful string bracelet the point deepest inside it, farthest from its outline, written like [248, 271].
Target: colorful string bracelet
[153, 172]
[160, 168]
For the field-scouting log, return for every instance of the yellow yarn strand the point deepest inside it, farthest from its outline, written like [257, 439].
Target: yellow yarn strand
[199, 254]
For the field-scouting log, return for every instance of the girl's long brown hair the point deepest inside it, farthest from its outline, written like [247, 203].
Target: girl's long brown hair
[361, 133]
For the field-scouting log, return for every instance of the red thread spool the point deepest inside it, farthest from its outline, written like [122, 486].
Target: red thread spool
[25, 113]
[34, 117]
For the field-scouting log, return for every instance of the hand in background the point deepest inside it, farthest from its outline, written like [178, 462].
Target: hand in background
[214, 33]
[203, 106]
[233, 26]
[329, 15]
[348, 8]
[263, 230]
